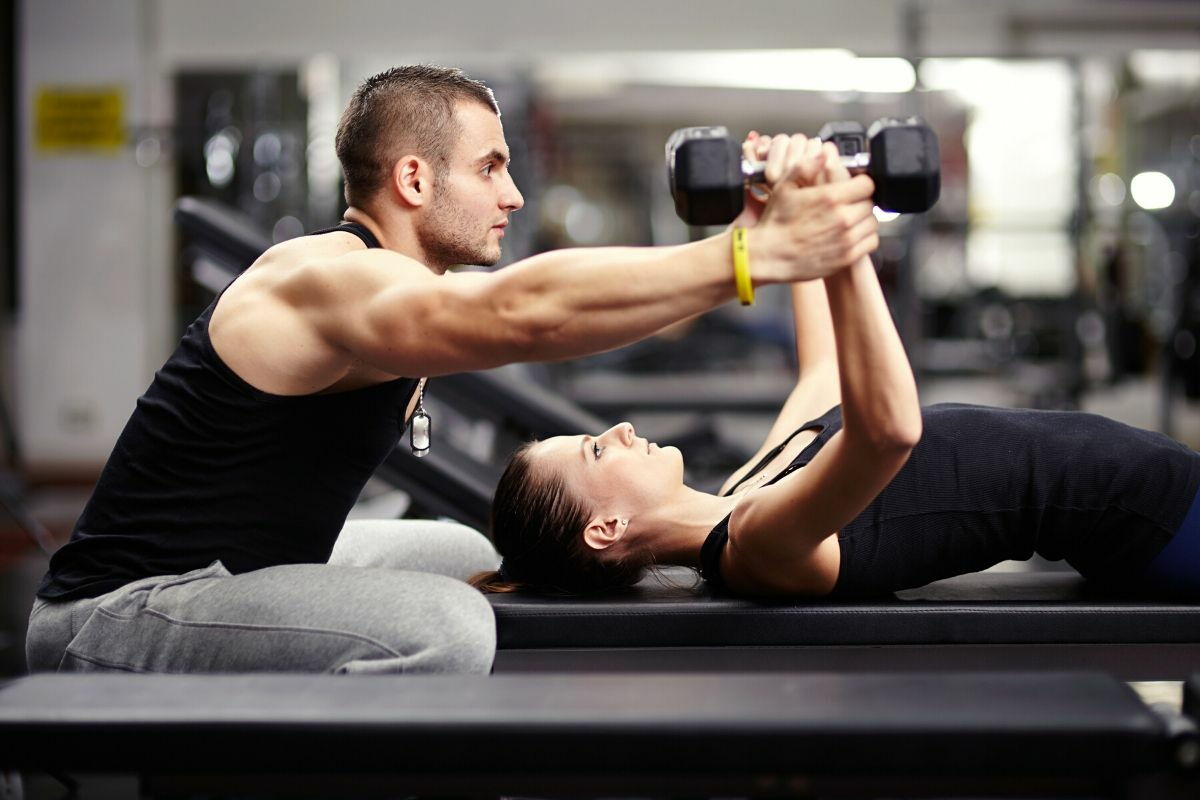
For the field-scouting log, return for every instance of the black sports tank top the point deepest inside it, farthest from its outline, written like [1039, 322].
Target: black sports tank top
[989, 484]
[209, 467]
[718, 537]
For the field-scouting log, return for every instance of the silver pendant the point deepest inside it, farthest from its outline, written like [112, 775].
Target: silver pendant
[420, 431]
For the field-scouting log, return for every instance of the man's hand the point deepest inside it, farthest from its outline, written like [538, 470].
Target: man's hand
[817, 219]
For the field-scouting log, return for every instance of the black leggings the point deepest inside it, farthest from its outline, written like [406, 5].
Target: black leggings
[1177, 567]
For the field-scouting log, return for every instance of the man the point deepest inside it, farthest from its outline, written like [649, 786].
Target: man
[204, 546]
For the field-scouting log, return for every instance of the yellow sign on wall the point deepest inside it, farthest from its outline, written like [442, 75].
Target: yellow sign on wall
[79, 119]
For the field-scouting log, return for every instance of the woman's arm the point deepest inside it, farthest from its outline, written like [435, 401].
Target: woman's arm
[776, 532]
[817, 385]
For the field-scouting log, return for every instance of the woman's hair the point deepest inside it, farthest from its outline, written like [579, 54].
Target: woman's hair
[537, 525]
[401, 109]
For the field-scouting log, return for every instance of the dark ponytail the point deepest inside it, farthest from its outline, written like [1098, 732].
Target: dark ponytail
[493, 582]
[538, 527]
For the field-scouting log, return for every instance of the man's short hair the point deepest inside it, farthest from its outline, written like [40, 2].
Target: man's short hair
[401, 110]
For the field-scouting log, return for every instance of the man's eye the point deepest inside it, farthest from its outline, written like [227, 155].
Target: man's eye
[596, 449]
[488, 169]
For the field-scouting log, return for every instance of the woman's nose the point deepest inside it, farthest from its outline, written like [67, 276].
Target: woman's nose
[623, 432]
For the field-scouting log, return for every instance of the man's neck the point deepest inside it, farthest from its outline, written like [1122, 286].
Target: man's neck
[396, 235]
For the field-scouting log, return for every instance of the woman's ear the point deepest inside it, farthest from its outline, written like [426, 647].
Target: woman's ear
[603, 532]
[412, 180]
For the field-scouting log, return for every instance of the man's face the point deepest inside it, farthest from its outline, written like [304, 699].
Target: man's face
[473, 196]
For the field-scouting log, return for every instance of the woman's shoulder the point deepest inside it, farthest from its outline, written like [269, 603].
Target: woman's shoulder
[783, 572]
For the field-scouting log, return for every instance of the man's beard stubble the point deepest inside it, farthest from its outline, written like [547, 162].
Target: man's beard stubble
[446, 237]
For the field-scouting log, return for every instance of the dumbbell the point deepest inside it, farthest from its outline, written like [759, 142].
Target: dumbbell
[708, 175]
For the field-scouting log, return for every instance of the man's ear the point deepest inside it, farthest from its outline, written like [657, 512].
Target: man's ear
[412, 180]
[602, 533]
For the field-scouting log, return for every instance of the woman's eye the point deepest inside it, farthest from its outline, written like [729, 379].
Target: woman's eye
[596, 449]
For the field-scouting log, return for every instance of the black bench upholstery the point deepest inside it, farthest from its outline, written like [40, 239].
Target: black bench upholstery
[737, 734]
[993, 620]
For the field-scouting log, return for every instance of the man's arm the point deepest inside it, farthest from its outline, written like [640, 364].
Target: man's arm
[396, 316]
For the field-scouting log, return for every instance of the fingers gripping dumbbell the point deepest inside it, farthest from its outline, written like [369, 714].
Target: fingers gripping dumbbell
[708, 175]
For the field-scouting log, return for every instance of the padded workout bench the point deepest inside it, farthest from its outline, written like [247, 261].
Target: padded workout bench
[1060, 734]
[988, 621]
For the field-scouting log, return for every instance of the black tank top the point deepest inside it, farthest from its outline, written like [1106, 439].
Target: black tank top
[209, 468]
[989, 484]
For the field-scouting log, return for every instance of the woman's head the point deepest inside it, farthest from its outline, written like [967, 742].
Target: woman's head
[567, 510]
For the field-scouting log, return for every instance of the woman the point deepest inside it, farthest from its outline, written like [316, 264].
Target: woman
[856, 491]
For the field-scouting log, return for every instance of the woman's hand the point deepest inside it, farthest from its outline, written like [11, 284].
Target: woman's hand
[757, 148]
[816, 217]
[754, 149]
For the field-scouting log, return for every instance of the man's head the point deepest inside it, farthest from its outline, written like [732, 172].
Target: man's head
[402, 110]
[429, 141]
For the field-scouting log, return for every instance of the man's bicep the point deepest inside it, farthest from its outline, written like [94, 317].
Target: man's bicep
[426, 326]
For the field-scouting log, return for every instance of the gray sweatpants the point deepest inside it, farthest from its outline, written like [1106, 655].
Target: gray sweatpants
[391, 599]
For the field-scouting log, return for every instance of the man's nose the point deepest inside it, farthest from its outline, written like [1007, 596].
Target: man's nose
[512, 200]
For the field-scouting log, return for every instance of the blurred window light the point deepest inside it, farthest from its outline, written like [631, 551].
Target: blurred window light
[1020, 138]
[147, 151]
[320, 78]
[288, 227]
[219, 167]
[1152, 190]
[585, 222]
[1109, 189]
[1020, 145]
[1166, 67]
[818, 70]
[581, 221]
[1021, 263]
[974, 80]
[220, 153]
[267, 149]
[267, 187]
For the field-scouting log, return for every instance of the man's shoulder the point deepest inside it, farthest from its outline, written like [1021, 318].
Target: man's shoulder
[296, 270]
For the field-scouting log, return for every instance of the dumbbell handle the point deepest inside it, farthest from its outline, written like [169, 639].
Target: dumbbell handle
[755, 171]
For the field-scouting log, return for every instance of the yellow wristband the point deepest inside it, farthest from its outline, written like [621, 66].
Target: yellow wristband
[741, 267]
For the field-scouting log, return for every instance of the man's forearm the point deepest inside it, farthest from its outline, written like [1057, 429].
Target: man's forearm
[574, 302]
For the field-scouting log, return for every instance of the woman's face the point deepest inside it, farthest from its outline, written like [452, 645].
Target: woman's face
[616, 472]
